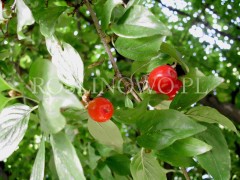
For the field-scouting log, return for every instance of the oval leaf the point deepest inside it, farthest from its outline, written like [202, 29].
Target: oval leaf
[106, 12]
[43, 76]
[52, 121]
[136, 49]
[39, 163]
[144, 167]
[217, 161]
[106, 133]
[175, 159]
[119, 163]
[210, 115]
[171, 51]
[48, 18]
[67, 61]
[128, 102]
[139, 22]
[13, 125]
[194, 89]
[66, 160]
[162, 128]
[24, 17]
[188, 147]
[4, 85]
[3, 101]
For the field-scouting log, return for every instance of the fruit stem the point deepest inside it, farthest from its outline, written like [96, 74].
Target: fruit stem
[102, 36]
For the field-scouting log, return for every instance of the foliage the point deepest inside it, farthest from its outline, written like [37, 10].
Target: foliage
[52, 62]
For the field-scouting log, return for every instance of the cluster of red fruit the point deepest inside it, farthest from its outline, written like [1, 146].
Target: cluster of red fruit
[162, 79]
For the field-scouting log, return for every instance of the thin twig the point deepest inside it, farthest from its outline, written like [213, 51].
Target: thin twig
[13, 5]
[102, 36]
[185, 173]
[2, 30]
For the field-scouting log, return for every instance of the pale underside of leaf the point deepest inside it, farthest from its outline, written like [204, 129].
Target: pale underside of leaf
[106, 133]
[52, 121]
[39, 163]
[24, 17]
[13, 125]
[146, 167]
[66, 160]
[67, 61]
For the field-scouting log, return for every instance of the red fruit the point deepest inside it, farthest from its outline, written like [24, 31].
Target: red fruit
[100, 109]
[162, 79]
[177, 86]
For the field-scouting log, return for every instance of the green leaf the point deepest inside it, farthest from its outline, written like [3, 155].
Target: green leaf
[52, 167]
[13, 125]
[136, 49]
[128, 102]
[4, 85]
[194, 89]
[105, 172]
[134, 2]
[47, 19]
[194, 72]
[127, 116]
[106, 12]
[171, 51]
[210, 115]
[3, 101]
[217, 161]
[39, 163]
[24, 17]
[175, 159]
[52, 121]
[162, 128]
[148, 65]
[130, 116]
[68, 62]
[44, 78]
[119, 177]
[106, 133]
[53, 96]
[119, 163]
[139, 22]
[74, 114]
[93, 158]
[144, 167]
[65, 157]
[188, 147]
[4, 53]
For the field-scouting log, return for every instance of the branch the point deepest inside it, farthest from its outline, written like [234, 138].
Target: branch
[227, 109]
[102, 36]
[199, 20]
[185, 173]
